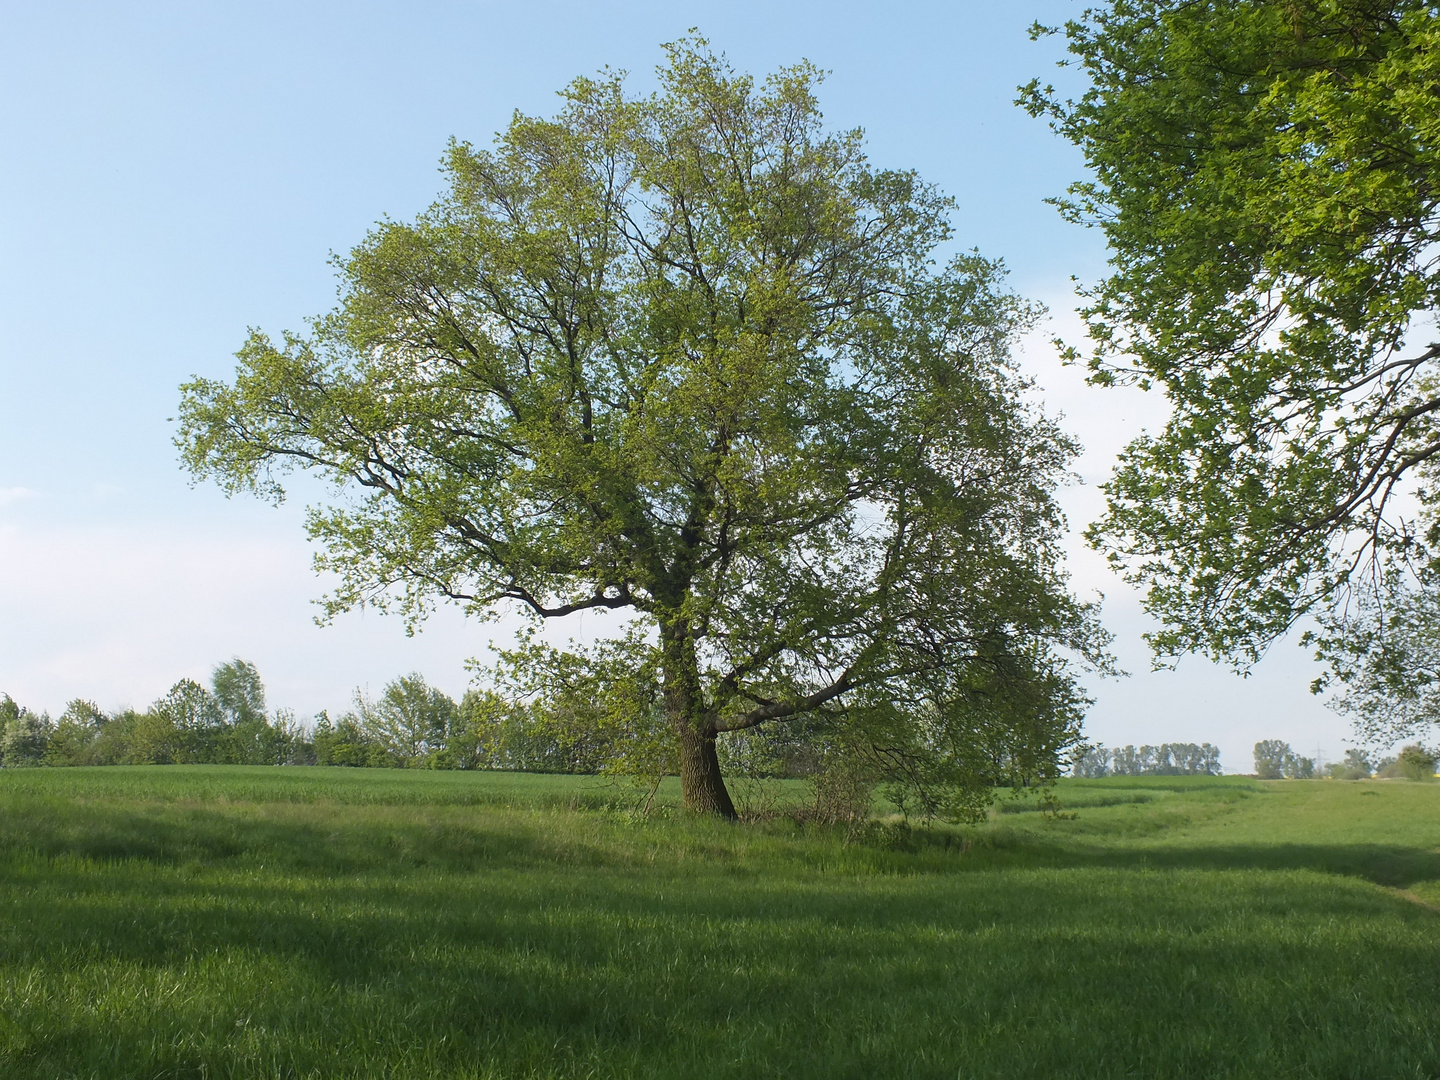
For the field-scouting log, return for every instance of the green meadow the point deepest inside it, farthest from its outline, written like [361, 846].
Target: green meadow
[175, 922]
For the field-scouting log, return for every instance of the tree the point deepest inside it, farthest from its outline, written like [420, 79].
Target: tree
[1266, 175]
[474, 733]
[341, 742]
[244, 733]
[238, 692]
[684, 360]
[73, 737]
[9, 711]
[198, 716]
[1270, 755]
[151, 738]
[1415, 763]
[1275, 760]
[409, 722]
[25, 738]
[1356, 766]
[492, 730]
[1295, 767]
[1090, 762]
[1167, 759]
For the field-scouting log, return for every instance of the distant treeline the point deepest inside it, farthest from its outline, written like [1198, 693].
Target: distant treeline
[1167, 759]
[1274, 760]
[1412, 763]
[410, 724]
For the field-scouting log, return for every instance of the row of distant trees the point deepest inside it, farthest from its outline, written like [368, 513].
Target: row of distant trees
[1413, 762]
[1274, 760]
[1167, 759]
[410, 724]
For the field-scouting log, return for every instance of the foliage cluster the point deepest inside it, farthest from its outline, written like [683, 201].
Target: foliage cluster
[1267, 177]
[1275, 760]
[413, 725]
[1355, 766]
[1167, 759]
[1414, 762]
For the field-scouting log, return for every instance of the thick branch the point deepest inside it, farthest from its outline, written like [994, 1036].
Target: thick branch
[781, 710]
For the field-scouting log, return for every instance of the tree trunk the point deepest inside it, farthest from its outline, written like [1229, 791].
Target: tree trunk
[701, 785]
[702, 788]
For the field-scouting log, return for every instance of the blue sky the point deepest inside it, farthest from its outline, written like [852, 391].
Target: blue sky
[173, 174]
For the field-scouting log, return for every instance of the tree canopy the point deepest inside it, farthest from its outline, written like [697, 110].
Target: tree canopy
[1266, 174]
[685, 359]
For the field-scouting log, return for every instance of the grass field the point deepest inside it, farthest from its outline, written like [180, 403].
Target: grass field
[250, 922]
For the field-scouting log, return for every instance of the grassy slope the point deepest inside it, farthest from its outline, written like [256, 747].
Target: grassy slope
[179, 922]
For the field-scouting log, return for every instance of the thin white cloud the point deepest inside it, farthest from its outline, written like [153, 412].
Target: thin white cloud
[9, 495]
[117, 613]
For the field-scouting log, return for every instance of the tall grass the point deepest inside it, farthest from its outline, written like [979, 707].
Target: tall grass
[231, 922]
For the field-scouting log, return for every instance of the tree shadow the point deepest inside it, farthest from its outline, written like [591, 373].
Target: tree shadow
[609, 972]
[431, 943]
[1390, 865]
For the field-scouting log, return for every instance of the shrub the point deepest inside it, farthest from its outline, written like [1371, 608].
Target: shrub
[1414, 763]
[1355, 767]
[26, 736]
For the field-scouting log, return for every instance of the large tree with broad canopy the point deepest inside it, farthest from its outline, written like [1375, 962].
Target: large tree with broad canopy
[686, 358]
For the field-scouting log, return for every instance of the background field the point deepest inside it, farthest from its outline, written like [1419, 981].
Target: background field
[253, 922]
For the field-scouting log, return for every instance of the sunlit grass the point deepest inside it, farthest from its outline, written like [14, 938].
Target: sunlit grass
[168, 922]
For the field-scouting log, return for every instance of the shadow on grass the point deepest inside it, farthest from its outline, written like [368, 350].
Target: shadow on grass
[398, 840]
[303, 838]
[138, 969]
[186, 940]
[1390, 865]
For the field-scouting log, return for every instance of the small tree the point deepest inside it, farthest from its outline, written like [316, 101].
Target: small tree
[470, 744]
[1296, 767]
[25, 739]
[198, 718]
[1415, 763]
[9, 710]
[1125, 761]
[238, 692]
[1092, 762]
[1270, 755]
[409, 722]
[342, 742]
[72, 741]
[1210, 759]
[1355, 766]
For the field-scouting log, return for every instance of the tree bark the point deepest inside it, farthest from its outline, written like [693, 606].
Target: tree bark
[702, 787]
